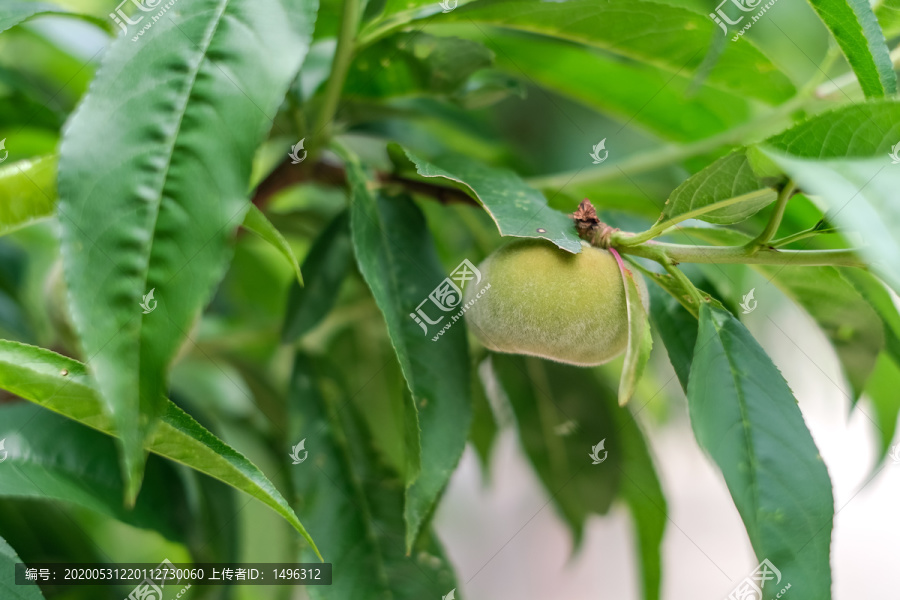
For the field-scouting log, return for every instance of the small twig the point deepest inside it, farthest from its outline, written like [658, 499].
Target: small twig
[801, 235]
[771, 229]
[686, 283]
[287, 174]
[681, 253]
[340, 65]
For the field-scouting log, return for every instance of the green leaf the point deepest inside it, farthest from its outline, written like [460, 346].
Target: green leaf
[882, 392]
[415, 64]
[397, 258]
[844, 316]
[640, 341]
[518, 209]
[14, 13]
[678, 329]
[397, 6]
[669, 107]
[727, 191]
[177, 144]
[852, 326]
[50, 457]
[483, 433]
[24, 101]
[558, 430]
[40, 535]
[668, 37]
[674, 314]
[28, 189]
[884, 381]
[325, 266]
[255, 220]
[842, 158]
[11, 591]
[888, 14]
[214, 503]
[353, 503]
[641, 490]
[879, 298]
[63, 386]
[745, 417]
[857, 32]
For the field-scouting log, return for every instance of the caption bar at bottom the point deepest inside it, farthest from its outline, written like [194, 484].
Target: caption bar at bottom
[174, 574]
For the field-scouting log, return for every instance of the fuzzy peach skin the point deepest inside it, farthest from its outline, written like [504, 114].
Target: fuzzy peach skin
[547, 302]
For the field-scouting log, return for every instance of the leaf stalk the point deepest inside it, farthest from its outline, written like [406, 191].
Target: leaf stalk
[343, 55]
[775, 219]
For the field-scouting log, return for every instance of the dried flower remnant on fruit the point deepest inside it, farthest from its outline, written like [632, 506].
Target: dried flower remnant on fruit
[589, 226]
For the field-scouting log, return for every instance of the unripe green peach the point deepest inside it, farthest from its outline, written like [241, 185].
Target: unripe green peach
[547, 302]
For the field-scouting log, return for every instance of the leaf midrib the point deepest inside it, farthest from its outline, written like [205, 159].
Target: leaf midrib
[395, 293]
[746, 429]
[189, 92]
[359, 492]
